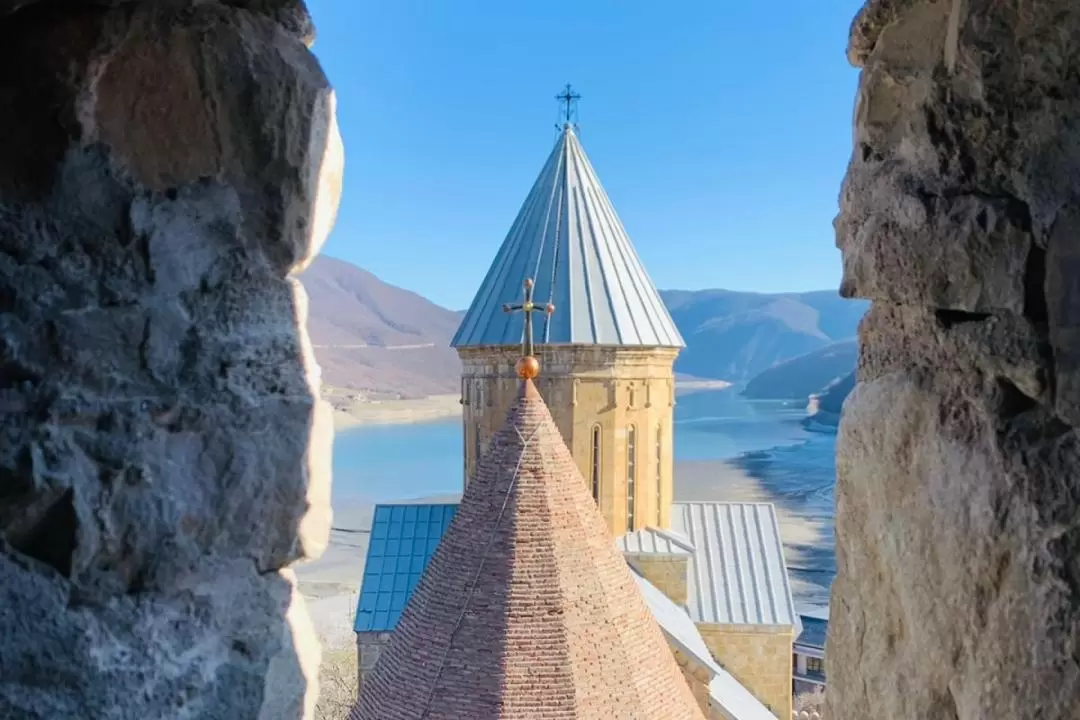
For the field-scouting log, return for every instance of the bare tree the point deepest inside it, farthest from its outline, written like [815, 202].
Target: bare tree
[813, 701]
[337, 684]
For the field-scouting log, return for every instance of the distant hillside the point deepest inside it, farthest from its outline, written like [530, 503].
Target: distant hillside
[825, 406]
[798, 378]
[377, 339]
[383, 341]
[735, 335]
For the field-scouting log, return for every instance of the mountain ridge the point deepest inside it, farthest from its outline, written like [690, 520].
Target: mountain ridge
[381, 341]
[802, 376]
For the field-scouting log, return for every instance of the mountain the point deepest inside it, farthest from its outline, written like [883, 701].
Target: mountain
[735, 336]
[825, 406]
[800, 377]
[378, 339]
[382, 341]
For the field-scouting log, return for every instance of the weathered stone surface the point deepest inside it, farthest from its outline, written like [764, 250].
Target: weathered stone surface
[958, 490]
[163, 450]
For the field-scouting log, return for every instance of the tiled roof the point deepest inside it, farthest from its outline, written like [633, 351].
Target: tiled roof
[569, 239]
[403, 539]
[654, 541]
[726, 693]
[738, 574]
[527, 611]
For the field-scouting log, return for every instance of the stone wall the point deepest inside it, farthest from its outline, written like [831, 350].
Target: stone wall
[958, 491]
[667, 572]
[165, 168]
[369, 645]
[759, 657]
[612, 388]
[698, 678]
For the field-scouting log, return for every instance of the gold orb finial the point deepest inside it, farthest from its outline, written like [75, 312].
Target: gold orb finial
[527, 368]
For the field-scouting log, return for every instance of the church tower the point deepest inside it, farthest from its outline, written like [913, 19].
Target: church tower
[607, 349]
[527, 610]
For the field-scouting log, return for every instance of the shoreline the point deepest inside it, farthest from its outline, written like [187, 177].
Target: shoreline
[353, 413]
[352, 409]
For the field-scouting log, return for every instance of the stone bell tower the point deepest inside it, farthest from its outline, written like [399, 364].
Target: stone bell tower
[607, 349]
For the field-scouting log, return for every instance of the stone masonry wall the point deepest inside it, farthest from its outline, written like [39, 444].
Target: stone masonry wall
[165, 168]
[698, 678]
[667, 572]
[586, 386]
[758, 657]
[369, 645]
[958, 490]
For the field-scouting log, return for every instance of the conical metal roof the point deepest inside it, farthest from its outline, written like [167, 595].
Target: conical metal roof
[527, 611]
[569, 239]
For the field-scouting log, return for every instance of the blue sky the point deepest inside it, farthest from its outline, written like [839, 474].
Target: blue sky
[720, 131]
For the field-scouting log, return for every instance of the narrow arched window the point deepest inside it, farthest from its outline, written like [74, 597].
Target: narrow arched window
[596, 463]
[659, 469]
[631, 475]
[477, 449]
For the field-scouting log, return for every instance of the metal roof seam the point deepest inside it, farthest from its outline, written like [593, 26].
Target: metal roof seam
[608, 292]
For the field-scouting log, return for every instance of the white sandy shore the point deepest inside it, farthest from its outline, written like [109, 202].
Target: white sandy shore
[331, 582]
[350, 413]
[352, 409]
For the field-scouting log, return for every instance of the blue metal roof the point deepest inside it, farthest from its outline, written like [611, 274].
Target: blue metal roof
[568, 238]
[403, 539]
[814, 631]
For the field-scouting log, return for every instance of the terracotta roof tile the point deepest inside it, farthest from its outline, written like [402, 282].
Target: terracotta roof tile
[527, 611]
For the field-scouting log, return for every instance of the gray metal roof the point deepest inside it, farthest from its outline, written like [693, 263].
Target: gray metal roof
[568, 238]
[726, 693]
[653, 541]
[737, 574]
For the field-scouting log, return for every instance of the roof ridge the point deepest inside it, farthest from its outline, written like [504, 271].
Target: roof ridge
[676, 537]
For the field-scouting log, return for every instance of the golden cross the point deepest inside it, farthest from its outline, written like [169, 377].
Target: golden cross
[528, 307]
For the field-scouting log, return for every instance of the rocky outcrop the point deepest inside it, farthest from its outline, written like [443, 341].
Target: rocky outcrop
[958, 544]
[164, 170]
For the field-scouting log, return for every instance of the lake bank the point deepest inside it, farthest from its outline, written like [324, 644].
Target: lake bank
[353, 409]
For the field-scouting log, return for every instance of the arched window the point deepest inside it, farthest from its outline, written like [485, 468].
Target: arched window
[631, 475]
[659, 469]
[477, 450]
[596, 463]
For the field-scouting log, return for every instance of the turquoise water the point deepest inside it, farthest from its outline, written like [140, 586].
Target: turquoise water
[394, 462]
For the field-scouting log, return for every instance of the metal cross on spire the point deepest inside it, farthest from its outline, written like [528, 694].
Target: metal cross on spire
[568, 97]
[527, 307]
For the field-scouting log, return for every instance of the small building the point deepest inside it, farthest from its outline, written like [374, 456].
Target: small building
[723, 562]
[808, 651]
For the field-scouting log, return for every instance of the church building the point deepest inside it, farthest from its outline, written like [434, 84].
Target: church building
[712, 575]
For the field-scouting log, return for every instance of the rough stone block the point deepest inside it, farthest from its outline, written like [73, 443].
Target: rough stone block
[164, 454]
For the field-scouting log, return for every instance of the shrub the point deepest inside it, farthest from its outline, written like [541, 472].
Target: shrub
[337, 684]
